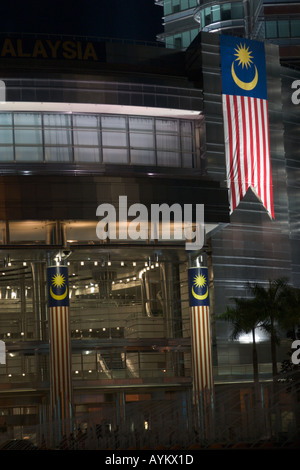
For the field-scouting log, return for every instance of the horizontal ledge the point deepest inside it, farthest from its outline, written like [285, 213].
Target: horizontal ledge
[97, 109]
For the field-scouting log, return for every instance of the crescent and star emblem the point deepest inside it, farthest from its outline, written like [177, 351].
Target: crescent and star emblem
[58, 280]
[200, 281]
[244, 58]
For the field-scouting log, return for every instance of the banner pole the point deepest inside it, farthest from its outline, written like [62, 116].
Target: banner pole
[60, 346]
[202, 365]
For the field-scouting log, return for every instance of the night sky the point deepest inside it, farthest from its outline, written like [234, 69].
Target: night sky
[128, 19]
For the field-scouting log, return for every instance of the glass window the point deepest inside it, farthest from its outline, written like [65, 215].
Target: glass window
[194, 33]
[58, 154]
[283, 29]
[187, 149]
[27, 119]
[141, 123]
[202, 19]
[6, 153]
[113, 122]
[171, 159]
[178, 41]
[207, 16]
[169, 41]
[271, 29]
[28, 130]
[57, 137]
[167, 7]
[142, 140]
[6, 136]
[115, 155]
[114, 139]
[237, 10]
[29, 153]
[186, 39]
[87, 154]
[187, 144]
[125, 139]
[186, 127]
[167, 125]
[57, 120]
[176, 6]
[184, 4]
[86, 137]
[142, 157]
[5, 119]
[226, 11]
[215, 13]
[82, 120]
[187, 160]
[167, 142]
[295, 28]
[28, 136]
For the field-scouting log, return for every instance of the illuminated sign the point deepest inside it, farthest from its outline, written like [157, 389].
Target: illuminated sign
[30, 48]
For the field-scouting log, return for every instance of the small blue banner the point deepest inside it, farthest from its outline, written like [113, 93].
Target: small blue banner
[198, 287]
[58, 286]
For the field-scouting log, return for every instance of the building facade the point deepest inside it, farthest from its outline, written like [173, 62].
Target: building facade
[276, 22]
[81, 124]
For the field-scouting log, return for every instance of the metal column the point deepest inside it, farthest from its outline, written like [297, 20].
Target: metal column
[60, 343]
[203, 385]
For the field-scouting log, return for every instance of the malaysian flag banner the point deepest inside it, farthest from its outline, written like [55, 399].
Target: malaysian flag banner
[60, 345]
[200, 332]
[246, 121]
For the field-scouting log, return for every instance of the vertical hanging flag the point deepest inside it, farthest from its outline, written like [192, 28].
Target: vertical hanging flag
[246, 121]
[60, 345]
[200, 331]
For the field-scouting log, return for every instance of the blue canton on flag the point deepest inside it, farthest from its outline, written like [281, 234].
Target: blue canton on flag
[243, 67]
[58, 286]
[198, 286]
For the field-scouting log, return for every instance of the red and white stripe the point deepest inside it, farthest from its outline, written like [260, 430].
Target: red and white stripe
[201, 350]
[247, 149]
[60, 362]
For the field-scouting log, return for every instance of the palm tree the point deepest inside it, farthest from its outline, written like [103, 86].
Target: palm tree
[290, 322]
[245, 318]
[273, 309]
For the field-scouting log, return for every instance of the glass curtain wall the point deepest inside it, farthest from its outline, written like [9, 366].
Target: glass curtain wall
[282, 28]
[113, 303]
[113, 139]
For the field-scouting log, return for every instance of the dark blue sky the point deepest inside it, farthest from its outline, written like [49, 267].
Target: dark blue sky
[128, 19]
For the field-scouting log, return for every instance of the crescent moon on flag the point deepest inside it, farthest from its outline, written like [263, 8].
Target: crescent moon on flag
[248, 86]
[200, 297]
[58, 297]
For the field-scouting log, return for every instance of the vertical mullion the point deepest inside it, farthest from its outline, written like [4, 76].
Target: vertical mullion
[127, 139]
[100, 137]
[193, 144]
[43, 137]
[180, 142]
[13, 135]
[72, 139]
[155, 140]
